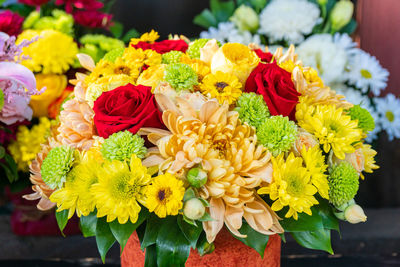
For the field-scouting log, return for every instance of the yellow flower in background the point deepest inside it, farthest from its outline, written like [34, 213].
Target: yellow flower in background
[55, 85]
[332, 127]
[291, 186]
[224, 87]
[236, 59]
[53, 52]
[148, 37]
[119, 189]
[152, 76]
[28, 143]
[165, 195]
[314, 162]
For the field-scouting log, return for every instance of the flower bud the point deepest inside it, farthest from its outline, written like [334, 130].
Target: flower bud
[197, 177]
[355, 214]
[245, 18]
[322, 2]
[194, 209]
[341, 14]
[306, 139]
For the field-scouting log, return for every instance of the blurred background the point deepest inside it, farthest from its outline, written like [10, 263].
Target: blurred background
[377, 34]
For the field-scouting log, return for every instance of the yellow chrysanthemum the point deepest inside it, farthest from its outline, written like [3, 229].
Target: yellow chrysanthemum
[28, 143]
[369, 160]
[224, 87]
[331, 126]
[236, 59]
[148, 37]
[200, 67]
[53, 52]
[55, 85]
[310, 74]
[291, 186]
[152, 76]
[103, 68]
[314, 162]
[119, 189]
[165, 195]
[139, 57]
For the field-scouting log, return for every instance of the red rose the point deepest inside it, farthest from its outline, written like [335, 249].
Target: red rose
[92, 18]
[33, 2]
[164, 46]
[80, 4]
[127, 107]
[264, 56]
[10, 22]
[276, 86]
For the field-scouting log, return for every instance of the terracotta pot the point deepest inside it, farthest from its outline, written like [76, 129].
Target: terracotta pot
[228, 252]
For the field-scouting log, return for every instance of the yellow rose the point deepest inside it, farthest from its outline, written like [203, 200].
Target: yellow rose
[152, 76]
[356, 159]
[55, 85]
[236, 59]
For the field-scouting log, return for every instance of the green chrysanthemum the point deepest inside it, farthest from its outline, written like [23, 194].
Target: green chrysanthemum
[277, 134]
[59, 20]
[194, 48]
[365, 120]
[343, 183]
[56, 166]
[172, 57]
[1, 100]
[114, 54]
[180, 76]
[252, 109]
[120, 146]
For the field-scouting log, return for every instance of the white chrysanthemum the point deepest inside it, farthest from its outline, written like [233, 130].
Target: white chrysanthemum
[227, 32]
[345, 41]
[388, 109]
[330, 59]
[365, 73]
[288, 20]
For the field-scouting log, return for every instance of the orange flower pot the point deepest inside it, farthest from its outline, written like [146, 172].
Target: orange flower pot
[228, 252]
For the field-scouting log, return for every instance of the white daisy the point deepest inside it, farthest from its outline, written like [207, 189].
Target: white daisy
[288, 20]
[388, 109]
[330, 59]
[366, 73]
[345, 41]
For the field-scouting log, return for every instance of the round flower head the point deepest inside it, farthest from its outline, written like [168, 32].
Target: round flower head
[180, 76]
[194, 47]
[165, 195]
[56, 166]
[252, 109]
[389, 115]
[343, 183]
[114, 54]
[291, 186]
[59, 21]
[119, 189]
[172, 57]
[53, 52]
[365, 120]
[224, 87]
[277, 134]
[122, 145]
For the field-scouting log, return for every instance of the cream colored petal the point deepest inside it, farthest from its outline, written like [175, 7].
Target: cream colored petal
[86, 61]
[217, 211]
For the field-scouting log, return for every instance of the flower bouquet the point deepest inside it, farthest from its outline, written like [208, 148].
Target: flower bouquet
[176, 139]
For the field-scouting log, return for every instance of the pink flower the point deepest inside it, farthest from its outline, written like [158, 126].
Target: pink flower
[92, 18]
[80, 4]
[33, 2]
[10, 22]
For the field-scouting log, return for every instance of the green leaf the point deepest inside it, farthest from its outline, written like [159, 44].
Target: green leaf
[104, 237]
[23, 10]
[258, 4]
[132, 33]
[189, 194]
[189, 221]
[151, 232]
[202, 246]
[2, 152]
[329, 219]
[172, 247]
[206, 217]
[191, 232]
[350, 27]
[254, 239]
[205, 202]
[11, 168]
[205, 19]
[62, 219]
[150, 259]
[88, 224]
[122, 232]
[320, 239]
[222, 10]
[303, 223]
[117, 29]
